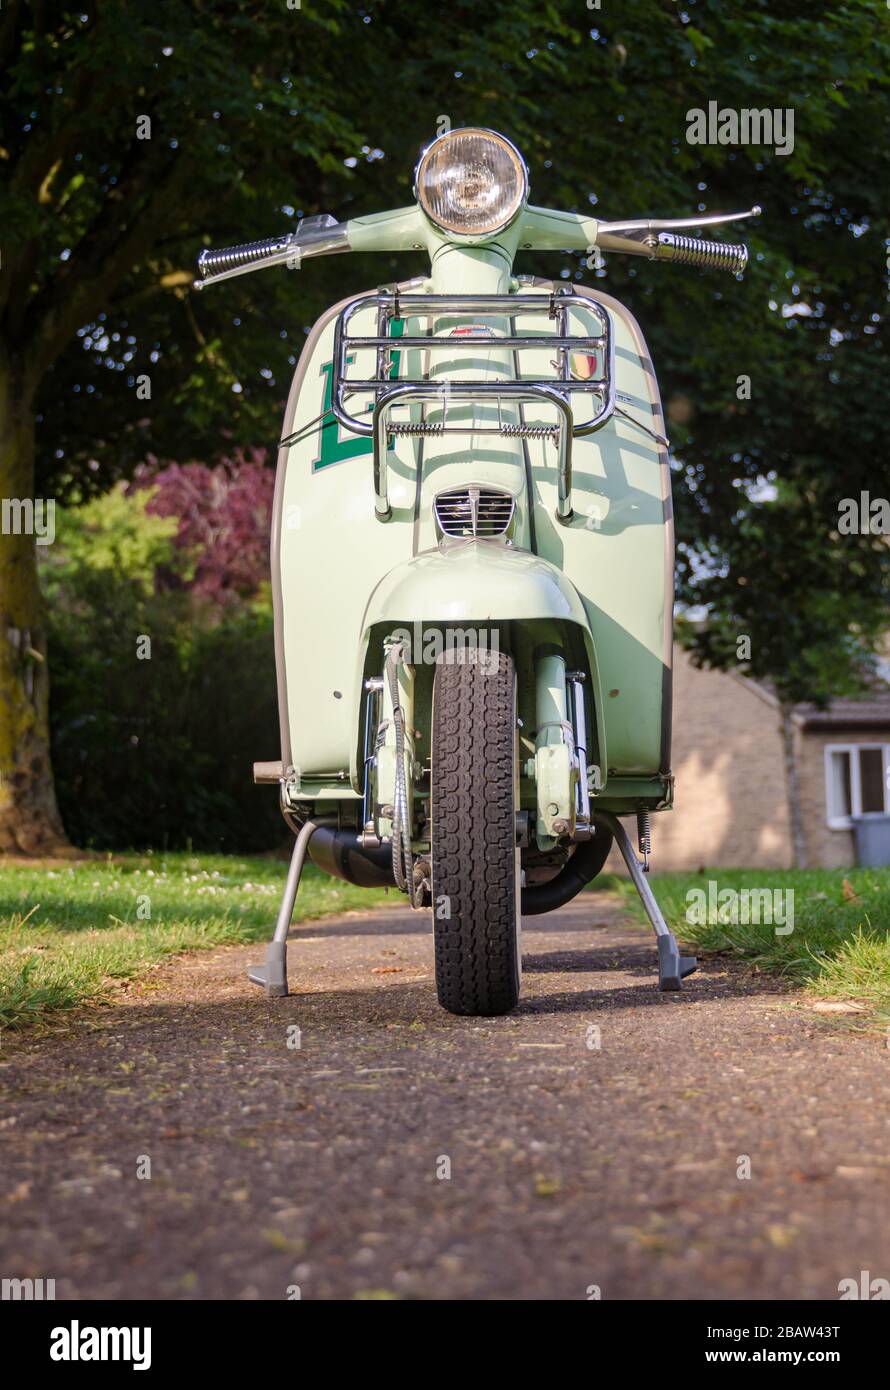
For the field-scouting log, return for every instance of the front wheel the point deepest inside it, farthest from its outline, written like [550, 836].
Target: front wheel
[474, 785]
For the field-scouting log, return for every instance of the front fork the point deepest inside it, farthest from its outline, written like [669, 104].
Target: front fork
[385, 752]
[559, 766]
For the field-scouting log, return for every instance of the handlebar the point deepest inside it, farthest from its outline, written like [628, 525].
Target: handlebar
[540, 228]
[661, 240]
[315, 236]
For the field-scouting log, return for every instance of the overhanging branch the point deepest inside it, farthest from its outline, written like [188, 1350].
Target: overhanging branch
[56, 316]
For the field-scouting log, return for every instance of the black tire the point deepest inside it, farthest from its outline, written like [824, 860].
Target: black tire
[474, 861]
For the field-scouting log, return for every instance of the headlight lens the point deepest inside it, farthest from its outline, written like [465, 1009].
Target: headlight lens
[471, 182]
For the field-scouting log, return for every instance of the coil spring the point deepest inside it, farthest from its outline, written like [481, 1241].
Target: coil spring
[710, 255]
[644, 833]
[531, 431]
[230, 257]
[514, 431]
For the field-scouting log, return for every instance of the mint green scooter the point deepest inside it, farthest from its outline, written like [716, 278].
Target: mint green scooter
[472, 567]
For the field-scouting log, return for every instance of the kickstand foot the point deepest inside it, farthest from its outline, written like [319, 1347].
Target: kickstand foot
[672, 967]
[273, 975]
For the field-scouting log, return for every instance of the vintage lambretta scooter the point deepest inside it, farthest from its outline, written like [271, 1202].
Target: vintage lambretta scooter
[480, 686]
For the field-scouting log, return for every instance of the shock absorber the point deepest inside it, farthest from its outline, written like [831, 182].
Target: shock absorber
[644, 837]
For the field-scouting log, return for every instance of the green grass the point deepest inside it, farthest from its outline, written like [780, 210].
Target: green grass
[839, 947]
[69, 930]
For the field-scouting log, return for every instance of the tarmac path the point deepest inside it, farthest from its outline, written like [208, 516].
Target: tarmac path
[596, 1141]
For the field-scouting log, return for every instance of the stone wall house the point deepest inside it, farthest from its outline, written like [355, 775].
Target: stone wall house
[844, 765]
[730, 798]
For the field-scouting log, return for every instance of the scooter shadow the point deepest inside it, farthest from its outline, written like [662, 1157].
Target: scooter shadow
[381, 1007]
[600, 963]
[419, 923]
[631, 960]
[645, 995]
[712, 980]
[385, 922]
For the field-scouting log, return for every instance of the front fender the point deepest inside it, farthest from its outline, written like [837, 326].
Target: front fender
[474, 582]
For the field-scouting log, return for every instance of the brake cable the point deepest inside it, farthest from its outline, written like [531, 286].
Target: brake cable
[402, 858]
[298, 434]
[625, 415]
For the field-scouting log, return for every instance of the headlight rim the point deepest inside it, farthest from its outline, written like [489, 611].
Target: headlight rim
[489, 232]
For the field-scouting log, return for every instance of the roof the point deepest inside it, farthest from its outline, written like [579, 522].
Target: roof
[872, 711]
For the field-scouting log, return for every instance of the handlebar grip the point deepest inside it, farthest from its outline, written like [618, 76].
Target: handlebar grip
[234, 257]
[710, 255]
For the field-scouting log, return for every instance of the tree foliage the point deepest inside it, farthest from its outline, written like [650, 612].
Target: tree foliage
[260, 113]
[163, 695]
[222, 517]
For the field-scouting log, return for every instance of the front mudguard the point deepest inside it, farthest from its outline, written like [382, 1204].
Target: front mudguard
[474, 587]
[474, 583]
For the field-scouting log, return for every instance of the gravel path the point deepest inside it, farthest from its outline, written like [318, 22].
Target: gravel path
[593, 1138]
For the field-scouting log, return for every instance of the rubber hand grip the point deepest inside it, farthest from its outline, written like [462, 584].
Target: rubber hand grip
[232, 257]
[710, 255]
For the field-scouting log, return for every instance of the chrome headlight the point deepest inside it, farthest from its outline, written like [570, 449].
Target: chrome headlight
[471, 182]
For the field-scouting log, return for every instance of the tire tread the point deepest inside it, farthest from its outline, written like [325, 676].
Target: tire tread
[474, 832]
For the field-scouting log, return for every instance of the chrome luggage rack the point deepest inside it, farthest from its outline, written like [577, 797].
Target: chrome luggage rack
[557, 391]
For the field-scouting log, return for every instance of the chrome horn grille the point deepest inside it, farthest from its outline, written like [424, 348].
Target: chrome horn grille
[481, 513]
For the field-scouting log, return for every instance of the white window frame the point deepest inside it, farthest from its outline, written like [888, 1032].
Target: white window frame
[846, 822]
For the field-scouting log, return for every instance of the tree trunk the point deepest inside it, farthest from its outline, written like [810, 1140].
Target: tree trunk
[792, 783]
[29, 817]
